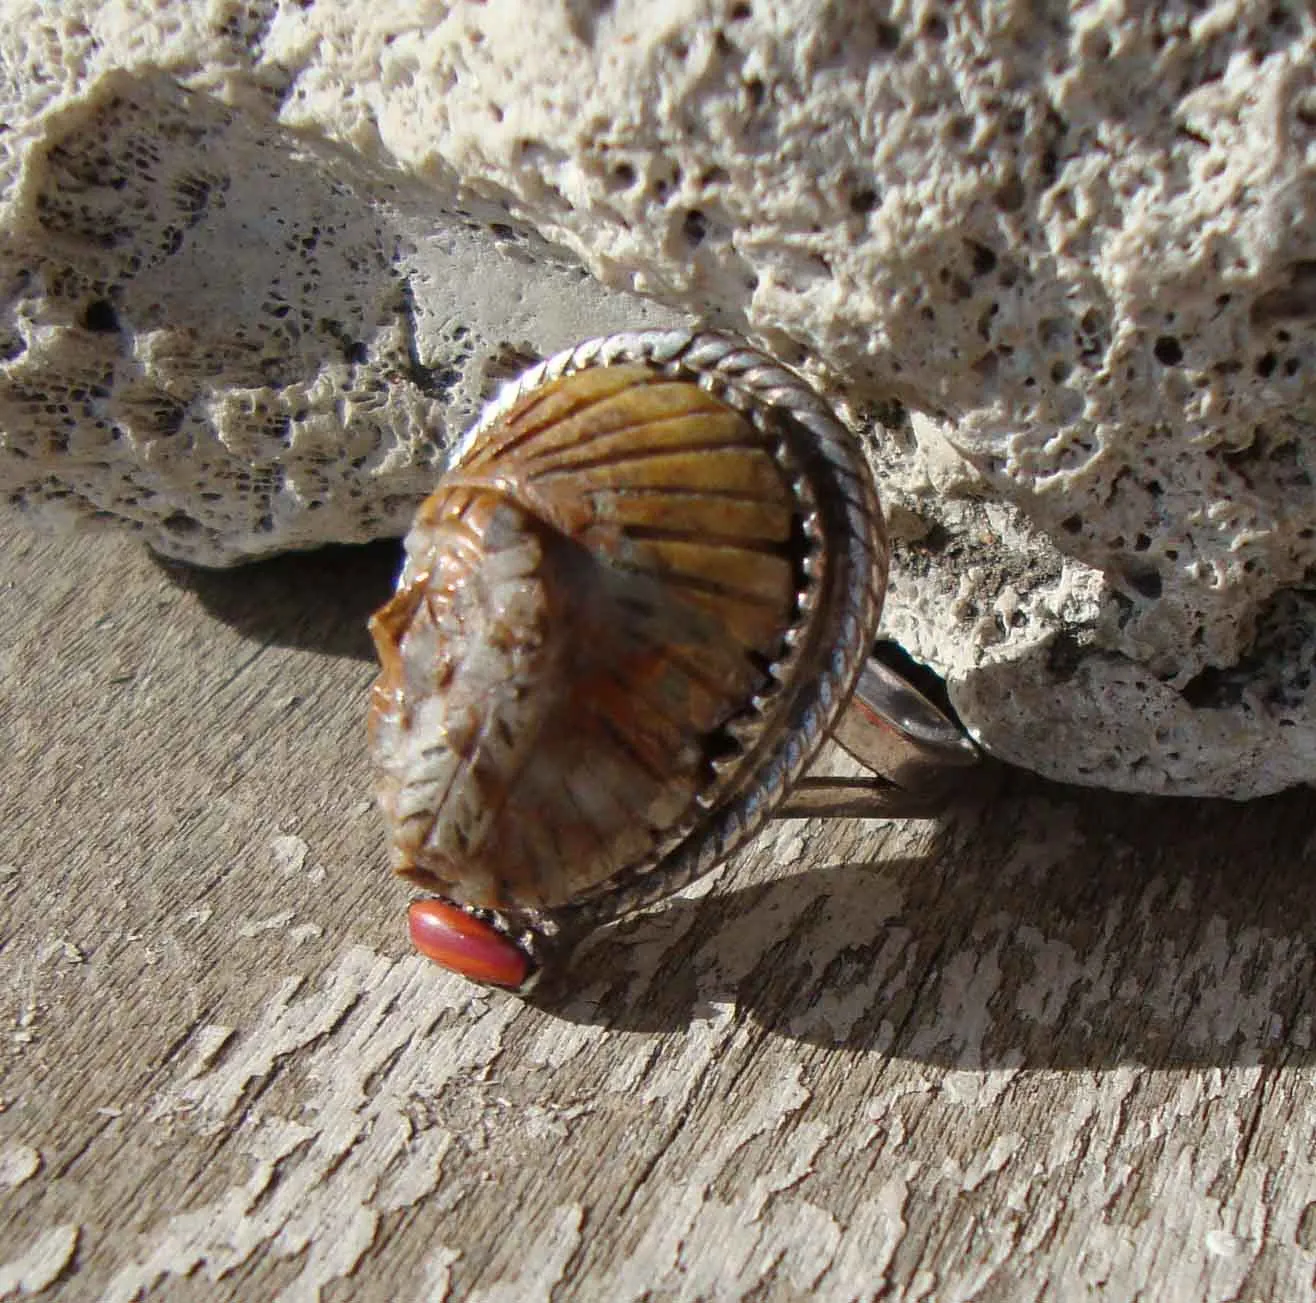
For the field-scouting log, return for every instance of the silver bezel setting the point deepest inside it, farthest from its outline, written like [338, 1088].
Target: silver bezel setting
[838, 606]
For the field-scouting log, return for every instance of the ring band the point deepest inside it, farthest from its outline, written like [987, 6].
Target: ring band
[916, 753]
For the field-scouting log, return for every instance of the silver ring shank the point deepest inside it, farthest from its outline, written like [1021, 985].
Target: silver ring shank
[918, 756]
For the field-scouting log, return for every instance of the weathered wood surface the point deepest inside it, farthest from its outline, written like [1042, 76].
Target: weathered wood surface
[1059, 1048]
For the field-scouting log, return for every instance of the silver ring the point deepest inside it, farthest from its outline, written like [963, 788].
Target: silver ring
[638, 601]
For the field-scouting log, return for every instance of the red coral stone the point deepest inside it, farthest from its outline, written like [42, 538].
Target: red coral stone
[463, 944]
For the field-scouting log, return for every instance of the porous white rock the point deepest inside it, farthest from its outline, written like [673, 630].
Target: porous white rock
[1058, 260]
[241, 341]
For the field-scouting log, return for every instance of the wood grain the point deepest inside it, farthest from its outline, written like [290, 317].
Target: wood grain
[1057, 1047]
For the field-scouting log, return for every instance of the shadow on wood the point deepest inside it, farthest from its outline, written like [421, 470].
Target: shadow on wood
[318, 601]
[1052, 928]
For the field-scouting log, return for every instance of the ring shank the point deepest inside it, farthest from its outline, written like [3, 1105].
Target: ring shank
[917, 754]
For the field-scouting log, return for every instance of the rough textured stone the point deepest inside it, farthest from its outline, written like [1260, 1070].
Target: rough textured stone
[242, 342]
[1060, 260]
